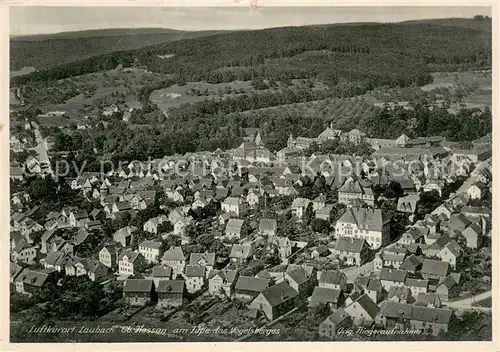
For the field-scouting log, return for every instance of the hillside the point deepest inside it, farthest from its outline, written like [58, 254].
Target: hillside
[50, 50]
[467, 23]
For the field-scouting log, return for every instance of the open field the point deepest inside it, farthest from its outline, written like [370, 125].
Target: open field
[481, 79]
[194, 92]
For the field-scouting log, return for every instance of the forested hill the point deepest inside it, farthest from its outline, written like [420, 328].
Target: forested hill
[369, 54]
[50, 50]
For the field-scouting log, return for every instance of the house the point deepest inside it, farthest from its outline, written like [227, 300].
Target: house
[78, 219]
[221, 283]
[95, 270]
[180, 226]
[24, 252]
[302, 278]
[417, 286]
[324, 213]
[276, 300]
[320, 252]
[353, 251]
[473, 236]
[443, 209]
[241, 253]
[412, 263]
[248, 287]
[477, 190]
[333, 279]
[268, 227]
[108, 255]
[195, 277]
[31, 281]
[153, 224]
[329, 327]
[207, 260]
[159, 273]
[174, 258]
[138, 292]
[129, 263]
[408, 204]
[391, 257]
[400, 294]
[362, 311]
[170, 293]
[364, 223]
[55, 260]
[325, 296]
[435, 269]
[151, 251]
[450, 253]
[371, 286]
[413, 235]
[15, 270]
[431, 320]
[234, 228]
[392, 277]
[284, 246]
[352, 192]
[125, 235]
[447, 289]
[233, 205]
[394, 315]
[430, 299]
[299, 207]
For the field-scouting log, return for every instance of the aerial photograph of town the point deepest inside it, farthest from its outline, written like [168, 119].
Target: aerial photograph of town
[250, 174]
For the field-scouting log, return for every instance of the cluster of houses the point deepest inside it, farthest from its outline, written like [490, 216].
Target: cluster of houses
[413, 277]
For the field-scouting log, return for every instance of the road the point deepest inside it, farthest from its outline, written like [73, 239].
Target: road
[469, 301]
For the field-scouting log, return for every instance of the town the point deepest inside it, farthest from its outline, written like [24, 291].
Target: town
[397, 240]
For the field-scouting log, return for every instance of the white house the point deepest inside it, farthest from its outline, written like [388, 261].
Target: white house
[368, 224]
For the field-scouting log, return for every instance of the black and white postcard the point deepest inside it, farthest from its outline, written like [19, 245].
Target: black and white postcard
[249, 173]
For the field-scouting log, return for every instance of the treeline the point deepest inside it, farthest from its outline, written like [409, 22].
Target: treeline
[367, 53]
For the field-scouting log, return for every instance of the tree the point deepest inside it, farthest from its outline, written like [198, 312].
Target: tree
[320, 225]
[309, 214]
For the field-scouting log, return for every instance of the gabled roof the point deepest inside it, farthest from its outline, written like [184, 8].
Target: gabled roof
[350, 244]
[195, 271]
[393, 309]
[195, 258]
[368, 305]
[279, 293]
[138, 285]
[395, 275]
[249, 283]
[364, 218]
[234, 225]
[242, 251]
[435, 267]
[431, 315]
[173, 254]
[161, 271]
[170, 286]
[334, 277]
[324, 295]
[131, 255]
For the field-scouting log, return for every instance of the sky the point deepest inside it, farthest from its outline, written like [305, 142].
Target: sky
[44, 20]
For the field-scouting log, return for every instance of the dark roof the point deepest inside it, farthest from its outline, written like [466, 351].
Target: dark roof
[332, 277]
[137, 285]
[426, 314]
[349, 244]
[195, 271]
[249, 283]
[435, 267]
[277, 294]
[395, 275]
[324, 295]
[161, 271]
[393, 309]
[170, 286]
[368, 305]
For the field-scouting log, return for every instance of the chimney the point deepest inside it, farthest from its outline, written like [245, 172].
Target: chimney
[282, 296]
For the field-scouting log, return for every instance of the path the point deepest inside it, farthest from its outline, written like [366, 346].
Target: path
[469, 301]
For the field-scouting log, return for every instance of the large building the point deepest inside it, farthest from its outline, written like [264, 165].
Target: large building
[368, 224]
[352, 192]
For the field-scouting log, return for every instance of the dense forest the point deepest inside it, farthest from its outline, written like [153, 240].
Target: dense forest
[372, 55]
